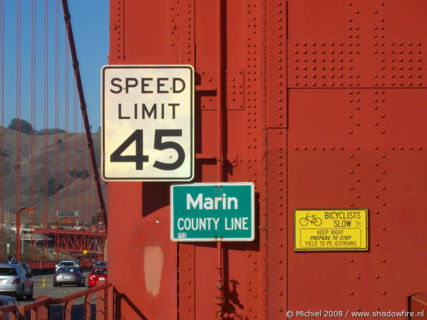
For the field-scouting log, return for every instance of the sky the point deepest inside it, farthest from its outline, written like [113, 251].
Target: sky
[90, 22]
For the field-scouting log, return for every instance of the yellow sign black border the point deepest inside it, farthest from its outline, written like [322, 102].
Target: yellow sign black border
[325, 249]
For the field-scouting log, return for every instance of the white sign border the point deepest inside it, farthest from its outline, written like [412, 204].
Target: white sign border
[192, 112]
[253, 222]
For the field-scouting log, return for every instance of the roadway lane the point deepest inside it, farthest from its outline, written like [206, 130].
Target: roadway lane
[58, 292]
[51, 291]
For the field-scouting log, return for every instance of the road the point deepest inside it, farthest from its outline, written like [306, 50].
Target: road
[57, 292]
[51, 291]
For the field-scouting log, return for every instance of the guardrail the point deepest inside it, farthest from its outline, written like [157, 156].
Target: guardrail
[42, 307]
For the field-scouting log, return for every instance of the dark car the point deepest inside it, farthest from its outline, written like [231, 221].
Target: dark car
[26, 268]
[68, 275]
[66, 263]
[100, 264]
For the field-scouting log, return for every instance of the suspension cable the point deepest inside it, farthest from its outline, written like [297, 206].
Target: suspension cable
[83, 108]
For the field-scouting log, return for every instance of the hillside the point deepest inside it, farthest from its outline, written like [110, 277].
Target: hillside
[62, 174]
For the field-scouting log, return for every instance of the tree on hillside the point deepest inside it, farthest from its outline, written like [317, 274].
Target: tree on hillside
[50, 131]
[21, 125]
[52, 187]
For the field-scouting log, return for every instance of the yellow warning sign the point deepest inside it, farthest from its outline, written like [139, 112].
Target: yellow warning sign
[331, 229]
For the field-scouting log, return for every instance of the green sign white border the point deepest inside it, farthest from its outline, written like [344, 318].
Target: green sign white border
[216, 184]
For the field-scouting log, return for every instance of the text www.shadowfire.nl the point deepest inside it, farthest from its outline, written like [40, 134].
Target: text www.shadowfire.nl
[353, 314]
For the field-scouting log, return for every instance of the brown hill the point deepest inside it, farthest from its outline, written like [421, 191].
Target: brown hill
[58, 176]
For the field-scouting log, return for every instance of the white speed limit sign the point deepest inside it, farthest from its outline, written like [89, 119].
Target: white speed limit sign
[147, 123]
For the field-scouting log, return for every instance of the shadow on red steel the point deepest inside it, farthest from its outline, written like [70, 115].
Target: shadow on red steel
[62, 308]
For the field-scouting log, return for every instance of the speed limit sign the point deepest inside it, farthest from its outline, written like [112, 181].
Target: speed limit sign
[147, 123]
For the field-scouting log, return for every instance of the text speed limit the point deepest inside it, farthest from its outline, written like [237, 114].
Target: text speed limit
[148, 123]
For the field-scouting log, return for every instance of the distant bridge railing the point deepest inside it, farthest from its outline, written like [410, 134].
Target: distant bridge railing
[39, 266]
[97, 304]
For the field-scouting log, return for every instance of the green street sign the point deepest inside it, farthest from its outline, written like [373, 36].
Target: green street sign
[67, 214]
[213, 212]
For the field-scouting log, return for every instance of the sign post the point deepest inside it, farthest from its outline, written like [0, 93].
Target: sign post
[147, 123]
[213, 212]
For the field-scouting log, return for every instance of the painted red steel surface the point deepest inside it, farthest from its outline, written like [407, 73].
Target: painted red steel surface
[324, 106]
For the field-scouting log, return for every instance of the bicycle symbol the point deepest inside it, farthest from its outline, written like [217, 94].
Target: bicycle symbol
[312, 219]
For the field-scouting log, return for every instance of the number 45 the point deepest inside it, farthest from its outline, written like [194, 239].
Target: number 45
[139, 158]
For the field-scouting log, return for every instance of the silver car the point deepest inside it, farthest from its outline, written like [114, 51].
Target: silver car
[66, 263]
[15, 281]
[68, 275]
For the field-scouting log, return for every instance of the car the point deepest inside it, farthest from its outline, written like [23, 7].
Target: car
[9, 301]
[96, 274]
[14, 261]
[14, 280]
[100, 264]
[68, 275]
[66, 263]
[26, 267]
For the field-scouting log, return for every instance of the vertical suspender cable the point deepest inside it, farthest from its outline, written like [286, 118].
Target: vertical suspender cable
[83, 108]
[82, 165]
[18, 106]
[2, 124]
[75, 145]
[57, 140]
[89, 208]
[45, 119]
[66, 105]
[45, 112]
[33, 119]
